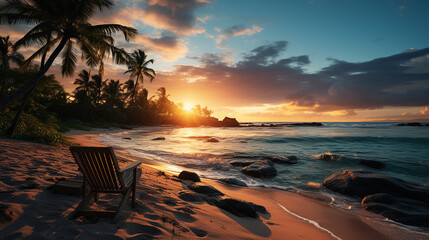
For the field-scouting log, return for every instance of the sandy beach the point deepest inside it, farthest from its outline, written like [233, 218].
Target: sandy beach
[30, 209]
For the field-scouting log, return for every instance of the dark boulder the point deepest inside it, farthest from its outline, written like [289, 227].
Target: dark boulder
[213, 140]
[406, 211]
[185, 175]
[239, 163]
[126, 138]
[233, 181]
[189, 196]
[237, 207]
[204, 188]
[412, 124]
[158, 139]
[230, 122]
[328, 157]
[372, 164]
[260, 169]
[126, 126]
[362, 183]
[282, 159]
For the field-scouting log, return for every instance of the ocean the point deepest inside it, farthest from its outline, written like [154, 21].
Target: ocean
[403, 149]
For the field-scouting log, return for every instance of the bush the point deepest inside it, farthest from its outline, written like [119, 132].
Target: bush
[33, 129]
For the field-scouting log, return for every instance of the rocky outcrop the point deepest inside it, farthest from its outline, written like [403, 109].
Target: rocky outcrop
[213, 140]
[185, 175]
[406, 211]
[372, 164]
[282, 159]
[189, 196]
[233, 181]
[204, 188]
[328, 157]
[229, 122]
[237, 207]
[394, 198]
[260, 169]
[362, 183]
[239, 163]
[158, 139]
[412, 124]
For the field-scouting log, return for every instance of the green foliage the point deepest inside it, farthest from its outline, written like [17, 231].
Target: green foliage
[43, 130]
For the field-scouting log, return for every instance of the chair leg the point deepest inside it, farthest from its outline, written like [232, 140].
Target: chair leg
[122, 205]
[137, 174]
[85, 203]
[96, 197]
[134, 186]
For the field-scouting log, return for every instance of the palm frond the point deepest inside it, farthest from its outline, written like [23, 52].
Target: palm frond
[41, 51]
[128, 32]
[69, 60]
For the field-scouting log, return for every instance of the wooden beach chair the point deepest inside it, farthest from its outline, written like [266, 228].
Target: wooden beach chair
[101, 174]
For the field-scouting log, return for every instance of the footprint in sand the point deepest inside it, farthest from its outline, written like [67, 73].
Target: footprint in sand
[199, 232]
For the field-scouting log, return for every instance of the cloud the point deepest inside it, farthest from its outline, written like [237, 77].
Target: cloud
[234, 31]
[238, 30]
[264, 76]
[174, 16]
[166, 46]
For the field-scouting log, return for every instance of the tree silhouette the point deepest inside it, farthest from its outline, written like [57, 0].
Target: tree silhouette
[112, 93]
[7, 55]
[65, 30]
[138, 69]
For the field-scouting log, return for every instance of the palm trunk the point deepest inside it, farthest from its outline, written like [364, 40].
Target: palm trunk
[28, 88]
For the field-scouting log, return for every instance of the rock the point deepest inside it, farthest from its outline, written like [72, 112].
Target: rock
[158, 139]
[413, 124]
[126, 126]
[260, 169]
[362, 183]
[233, 181]
[237, 207]
[283, 159]
[230, 122]
[214, 140]
[372, 164]
[328, 157]
[189, 196]
[126, 138]
[185, 175]
[5, 213]
[239, 163]
[406, 211]
[30, 185]
[204, 188]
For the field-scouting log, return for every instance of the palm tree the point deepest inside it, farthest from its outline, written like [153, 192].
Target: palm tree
[65, 30]
[129, 87]
[163, 102]
[112, 93]
[82, 91]
[97, 85]
[138, 69]
[8, 54]
[84, 84]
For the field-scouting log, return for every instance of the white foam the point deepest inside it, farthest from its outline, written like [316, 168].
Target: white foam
[316, 224]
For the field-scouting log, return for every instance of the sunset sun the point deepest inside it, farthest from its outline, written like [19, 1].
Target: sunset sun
[187, 107]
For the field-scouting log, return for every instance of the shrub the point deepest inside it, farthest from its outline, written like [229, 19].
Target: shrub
[44, 129]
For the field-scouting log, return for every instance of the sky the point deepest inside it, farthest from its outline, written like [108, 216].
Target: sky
[281, 61]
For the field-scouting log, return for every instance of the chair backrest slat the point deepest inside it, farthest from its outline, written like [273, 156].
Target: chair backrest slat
[103, 174]
[99, 167]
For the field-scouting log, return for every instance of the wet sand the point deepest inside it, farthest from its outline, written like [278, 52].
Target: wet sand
[28, 208]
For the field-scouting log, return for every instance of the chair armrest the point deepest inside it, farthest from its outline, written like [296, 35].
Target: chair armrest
[129, 167]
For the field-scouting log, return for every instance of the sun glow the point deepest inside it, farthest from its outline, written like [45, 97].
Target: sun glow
[187, 107]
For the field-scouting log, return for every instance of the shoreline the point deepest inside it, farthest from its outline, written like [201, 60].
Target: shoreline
[160, 214]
